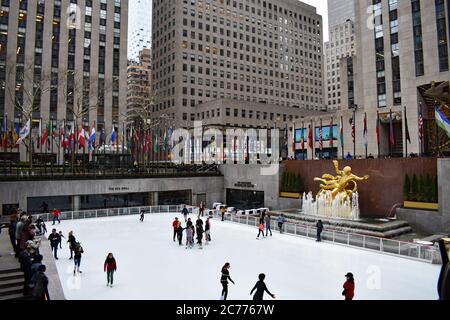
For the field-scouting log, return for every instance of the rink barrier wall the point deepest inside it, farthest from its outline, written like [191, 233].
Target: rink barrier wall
[409, 250]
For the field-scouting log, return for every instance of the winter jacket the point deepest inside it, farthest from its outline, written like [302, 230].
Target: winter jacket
[225, 276]
[54, 239]
[189, 233]
[261, 226]
[267, 220]
[260, 287]
[110, 264]
[12, 229]
[207, 226]
[175, 224]
[199, 231]
[281, 219]
[319, 226]
[185, 211]
[349, 290]
[27, 234]
[19, 228]
[78, 251]
[72, 242]
[40, 289]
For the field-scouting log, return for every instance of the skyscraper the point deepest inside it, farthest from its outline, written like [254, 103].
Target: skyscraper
[256, 51]
[63, 61]
[339, 11]
[139, 28]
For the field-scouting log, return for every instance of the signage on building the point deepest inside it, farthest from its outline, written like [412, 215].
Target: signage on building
[244, 185]
[118, 189]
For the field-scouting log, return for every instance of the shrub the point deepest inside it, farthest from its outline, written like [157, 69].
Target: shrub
[415, 188]
[407, 188]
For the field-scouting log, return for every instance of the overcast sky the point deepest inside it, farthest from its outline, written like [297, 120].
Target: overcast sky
[322, 9]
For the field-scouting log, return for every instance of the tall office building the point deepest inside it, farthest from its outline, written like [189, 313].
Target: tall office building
[66, 60]
[139, 28]
[258, 51]
[339, 11]
[341, 45]
[397, 66]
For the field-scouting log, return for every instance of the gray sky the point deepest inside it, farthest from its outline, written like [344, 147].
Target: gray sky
[322, 9]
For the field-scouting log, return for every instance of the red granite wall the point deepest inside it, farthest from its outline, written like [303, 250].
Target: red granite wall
[382, 191]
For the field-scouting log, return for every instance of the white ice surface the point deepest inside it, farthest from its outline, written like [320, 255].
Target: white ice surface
[153, 267]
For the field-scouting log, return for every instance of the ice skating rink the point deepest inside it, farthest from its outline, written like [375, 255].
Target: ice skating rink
[153, 267]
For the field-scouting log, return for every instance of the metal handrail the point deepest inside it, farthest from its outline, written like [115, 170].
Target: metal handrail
[411, 250]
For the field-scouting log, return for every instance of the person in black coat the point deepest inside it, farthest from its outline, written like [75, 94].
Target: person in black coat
[199, 234]
[319, 226]
[72, 244]
[260, 287]
[224, 280]
[54, 239]
[444, 277]
[179, 232]
[25, 266]
[12, 232]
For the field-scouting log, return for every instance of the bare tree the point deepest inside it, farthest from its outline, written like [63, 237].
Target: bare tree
[26, 94]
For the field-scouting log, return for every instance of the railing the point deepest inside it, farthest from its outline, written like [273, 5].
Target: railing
[404, 249]
[113, 212]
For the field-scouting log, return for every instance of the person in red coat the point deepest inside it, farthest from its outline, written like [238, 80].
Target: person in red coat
[56, 213]
[349, 287]
[110, 267]
[175, 228]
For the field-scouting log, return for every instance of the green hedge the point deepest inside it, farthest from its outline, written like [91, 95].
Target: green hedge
[420, 188]
[290, 182]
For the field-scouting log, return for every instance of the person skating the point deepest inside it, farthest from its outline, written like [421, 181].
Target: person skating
[185, 213]
[208, 231]
[267, 224]
[202, 209]
[260, 287]
[175, 227]
[142, 215]
[60, 239]
[200, 231]
[349, 287]
[54, 239]
[39, 225]
[40, 291]
[319, 226]
[110, 266]
[261, 230]
[56, 213]
[179, 232]
[77, 258]
[189, 237]
[224, 280]
[72, 244]
[222, 212]
[262, 217]
[281, 221]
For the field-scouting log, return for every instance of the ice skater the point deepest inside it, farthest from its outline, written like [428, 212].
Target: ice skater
[142, 215]
[280, 221]
[319, 226]
[56, 213]
[110, 266]
[179, 232]
[267, 221]
[349, 287]
[261, 230]
[260, 287]
[222, 211]
[207, 231]
[189, 237]
[72, 244]
[54, 239]
[175, 226]
[60, 239]
[224, 280]
[77, 258]
[200, 232]
[185, 213]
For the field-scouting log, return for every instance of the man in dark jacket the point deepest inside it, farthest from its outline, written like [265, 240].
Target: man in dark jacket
[319, 226]
[40, 291]
[260, 288]
[54, 239]
[25, 266]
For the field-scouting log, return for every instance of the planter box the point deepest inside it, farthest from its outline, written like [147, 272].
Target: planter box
[291, 195]
[421, 205]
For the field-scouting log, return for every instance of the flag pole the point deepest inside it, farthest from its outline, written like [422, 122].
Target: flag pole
[406, 133]
[378, 133]
[354, 134]
[342, 136]
[365, 128]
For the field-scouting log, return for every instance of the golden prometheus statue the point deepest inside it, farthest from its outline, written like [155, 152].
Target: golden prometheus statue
[338, 184]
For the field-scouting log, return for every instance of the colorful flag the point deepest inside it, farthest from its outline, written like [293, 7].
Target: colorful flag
[303, 138]
[365, 137]
[420, 127]
[408, 138]
[378, 129]
[92, 137]
[113, 136]
[442, 122]
[320, 136]
[391, 130]
[310, 138]
[24, 132]
[81, 138]
[353, 128]
[331, 133]
[293, 138]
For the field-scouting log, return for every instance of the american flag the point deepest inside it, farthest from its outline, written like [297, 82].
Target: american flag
[420, 127]
[353, 129]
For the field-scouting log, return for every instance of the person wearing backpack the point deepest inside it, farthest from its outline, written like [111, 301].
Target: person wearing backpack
[77, 258]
